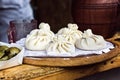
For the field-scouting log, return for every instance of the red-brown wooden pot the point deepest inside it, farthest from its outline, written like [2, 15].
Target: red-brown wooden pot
[98, 15]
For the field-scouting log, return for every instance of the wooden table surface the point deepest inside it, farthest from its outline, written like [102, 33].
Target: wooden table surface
[31, 72]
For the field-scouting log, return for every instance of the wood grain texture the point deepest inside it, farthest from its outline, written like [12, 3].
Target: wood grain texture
[72, 74]
[25, 72]
[29, 72]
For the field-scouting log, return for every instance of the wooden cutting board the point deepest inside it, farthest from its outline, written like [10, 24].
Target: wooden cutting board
[30, 72]
[74, 61]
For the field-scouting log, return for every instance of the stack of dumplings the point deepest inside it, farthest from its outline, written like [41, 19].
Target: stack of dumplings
[66, 40]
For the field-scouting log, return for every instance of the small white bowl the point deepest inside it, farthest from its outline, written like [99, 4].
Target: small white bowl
[14, 61]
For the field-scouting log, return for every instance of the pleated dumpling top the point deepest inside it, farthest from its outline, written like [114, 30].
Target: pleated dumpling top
[60, 45]
[38, 39]
[71, 33]
[90, 41]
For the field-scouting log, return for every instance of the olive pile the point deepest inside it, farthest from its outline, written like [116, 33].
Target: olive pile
[8, 52]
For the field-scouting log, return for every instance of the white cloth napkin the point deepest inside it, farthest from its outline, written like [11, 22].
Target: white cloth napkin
[78, 52]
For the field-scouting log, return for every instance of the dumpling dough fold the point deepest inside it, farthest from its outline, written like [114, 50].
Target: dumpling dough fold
[60, 45]
[71, 33]
[38, 39]
[90, 41]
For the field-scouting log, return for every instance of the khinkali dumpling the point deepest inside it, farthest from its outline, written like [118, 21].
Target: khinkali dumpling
[71, 33]
[89, 41]
[38, 39]
[60, 45]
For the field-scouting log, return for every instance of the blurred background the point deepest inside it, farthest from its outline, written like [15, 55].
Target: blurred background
[55, 12]
[58, 13]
